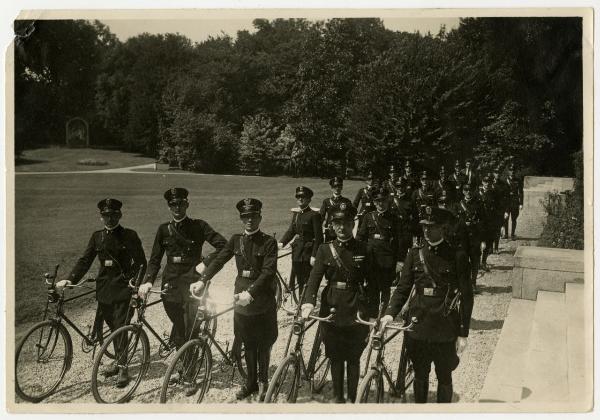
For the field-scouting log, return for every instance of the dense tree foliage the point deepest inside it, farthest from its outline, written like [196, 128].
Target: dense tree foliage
[311, 97]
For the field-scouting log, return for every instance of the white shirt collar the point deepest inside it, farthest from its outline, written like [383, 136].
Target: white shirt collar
[435, 243]
[180, 220]
[250, 233]
[344, 240]
[113, 228]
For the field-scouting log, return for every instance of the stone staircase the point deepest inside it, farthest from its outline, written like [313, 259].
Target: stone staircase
[543, 353]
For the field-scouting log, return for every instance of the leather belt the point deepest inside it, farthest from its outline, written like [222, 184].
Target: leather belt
[108, 263]
[177, 259]
[247, 274]
[339, 285]
[380, 237]
[434, 291]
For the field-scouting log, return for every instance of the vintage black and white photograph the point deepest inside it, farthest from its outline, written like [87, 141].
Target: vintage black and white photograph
[299, 209]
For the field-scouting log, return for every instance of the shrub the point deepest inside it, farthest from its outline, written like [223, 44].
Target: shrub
[92, 162]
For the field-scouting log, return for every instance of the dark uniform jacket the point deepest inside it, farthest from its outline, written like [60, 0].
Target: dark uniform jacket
[120, 254]
[327, 204]
[457, 181]
[445, 185]
[448, 268]
[364, 200]
[419, 200]
[489, 209]
[470, 176]
[343, 291]
[256, 262]
[183, 246]
[514, 188]
[307, 225]
[468, 211]
[402, 204]
[382, 233]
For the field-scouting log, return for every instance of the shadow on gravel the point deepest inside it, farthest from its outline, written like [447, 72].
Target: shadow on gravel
[501, 267]
[494, 289]
[72, 392]
[481, 325]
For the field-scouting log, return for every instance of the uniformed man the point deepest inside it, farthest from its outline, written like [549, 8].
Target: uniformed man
[382, 230]
[468, 212]
[469, 173]
[514, 187]
[337, 184]
[420, 198]
[442, 185]
[363, 201]
[457, 180]
[121, 258]
[489, 216]
[181, 239]
[412, 182]
[255, 313]
[390, 183]
[402, 205]
[502, 197]
[345, 264]
[430, 279]
[307, 230]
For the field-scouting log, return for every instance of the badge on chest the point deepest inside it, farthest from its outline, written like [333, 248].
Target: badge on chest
[108, 263]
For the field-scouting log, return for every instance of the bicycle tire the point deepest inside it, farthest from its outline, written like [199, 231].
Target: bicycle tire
[178, 362]
[237, 353]
[318, 363]
[406, 374]
[373, 377]
[278, 292]
[53, 329]
[279, 378]
[138, 337]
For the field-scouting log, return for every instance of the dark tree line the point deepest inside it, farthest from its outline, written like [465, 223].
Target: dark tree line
[310, 97]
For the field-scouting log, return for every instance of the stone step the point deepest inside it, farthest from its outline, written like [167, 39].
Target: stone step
[576, 344]
[503, 382]
[545, 376]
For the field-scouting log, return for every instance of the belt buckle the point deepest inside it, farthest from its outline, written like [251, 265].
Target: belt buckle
[377, 236]
[177, 260]
[108, 263]
[428, 291]
[341, 285]
[246, 273]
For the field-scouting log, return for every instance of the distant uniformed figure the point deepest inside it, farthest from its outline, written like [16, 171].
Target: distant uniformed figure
[444, 184]
[363, 201]
[412, 182]
[121, 256]
[337, 184]
[468, 212]
[431, 277]
[515, 201]
[420, 198]
[469, 173]
[382, 230]
[344, 262]
[502, 197]
[489, 215]
[457, 180]
[306, 228]
[390, 183]
[255, 313]
[402, 204]
[181, 239]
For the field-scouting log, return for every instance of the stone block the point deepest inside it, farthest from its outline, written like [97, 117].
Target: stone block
[516, 277]
[535, 280]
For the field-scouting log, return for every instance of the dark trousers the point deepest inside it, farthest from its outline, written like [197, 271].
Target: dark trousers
[474, 253]
[444, 358]
[337, 377]
[404, 243]
[116, 315]
[301, 273]
[257, 364]
[513, 213]
[385, 276]
[487, 237]
[183, 316]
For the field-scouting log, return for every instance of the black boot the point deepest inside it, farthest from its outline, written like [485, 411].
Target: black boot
[352, 372]
[421, 389]
[337, 377]
[251, 386]
[444, 393]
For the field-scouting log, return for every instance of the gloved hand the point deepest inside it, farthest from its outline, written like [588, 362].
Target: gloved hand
[461, 344]
[306, 309]
[196, 287]
[520, 206]
[399, 266]
[244, 298]
[280, 245]
[144, 289]
[506, 215]
[312, 261]
[60, 285]
[386, 319]
[200, 268]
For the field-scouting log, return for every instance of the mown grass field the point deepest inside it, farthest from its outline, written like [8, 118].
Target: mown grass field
[56, 214]
[58, 159]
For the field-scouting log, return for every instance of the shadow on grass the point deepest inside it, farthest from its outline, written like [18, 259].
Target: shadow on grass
[483, 325]
[25, 161]
[494, 289]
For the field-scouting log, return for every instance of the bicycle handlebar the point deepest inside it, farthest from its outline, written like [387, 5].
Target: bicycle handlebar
[387, 326]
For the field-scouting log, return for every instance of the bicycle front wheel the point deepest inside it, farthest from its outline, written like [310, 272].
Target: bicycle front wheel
[406, 373]
[283, 387]
[42, 359]
[370, 389]
[319, 364]
[189, 374]
[115, 381]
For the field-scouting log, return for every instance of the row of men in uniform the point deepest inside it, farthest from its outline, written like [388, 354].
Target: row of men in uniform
[357, 271]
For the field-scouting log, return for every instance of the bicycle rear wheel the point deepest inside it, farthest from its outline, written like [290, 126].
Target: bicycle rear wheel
[278, 292]
[132, 358]
[283, 387]
[189, 374]
[406, 373]
[318, 364]
[370, 389]
[237, 353]
[42, 359]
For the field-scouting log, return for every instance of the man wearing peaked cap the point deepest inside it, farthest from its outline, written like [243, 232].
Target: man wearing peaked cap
[255, 312]
[420, 198]
[382, 230]
[305, 227]
[431, 278]
[514, 187]
[121, 256]
[336, 183]
[363, 201]
[345, 263]
[489, 219]
[181, 239]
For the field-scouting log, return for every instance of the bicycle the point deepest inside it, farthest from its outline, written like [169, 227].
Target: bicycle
[135, 354]
[378, 371]
[48, 345]
[293, 368]
[192, 364]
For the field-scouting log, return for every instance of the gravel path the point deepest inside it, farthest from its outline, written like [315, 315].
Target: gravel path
[490, 309]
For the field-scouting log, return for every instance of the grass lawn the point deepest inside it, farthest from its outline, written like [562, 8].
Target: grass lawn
[57, 159]
[56, 214]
